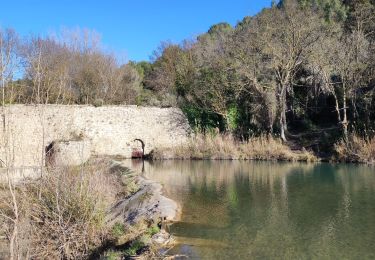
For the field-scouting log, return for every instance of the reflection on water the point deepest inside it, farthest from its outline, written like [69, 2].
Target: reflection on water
[243, 210]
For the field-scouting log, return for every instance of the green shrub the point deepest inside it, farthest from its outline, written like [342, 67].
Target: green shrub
[154, 229]
[134, 248]
[118, 230]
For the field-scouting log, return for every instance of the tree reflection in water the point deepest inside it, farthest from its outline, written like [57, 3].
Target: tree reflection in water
[269, 209]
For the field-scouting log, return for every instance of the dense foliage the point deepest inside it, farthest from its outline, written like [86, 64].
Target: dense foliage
[296, 66]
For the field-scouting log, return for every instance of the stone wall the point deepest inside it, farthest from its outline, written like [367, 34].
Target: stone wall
[26, 131]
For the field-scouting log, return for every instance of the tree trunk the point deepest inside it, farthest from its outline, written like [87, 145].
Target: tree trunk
[337, 109]
[344, 122]
[282, 130]
[282, 113]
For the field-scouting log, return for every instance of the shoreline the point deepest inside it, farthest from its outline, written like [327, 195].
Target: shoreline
[149, 204]
[157, 202]
[318, 160]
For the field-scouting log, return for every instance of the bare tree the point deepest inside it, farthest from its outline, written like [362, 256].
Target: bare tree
[8, 58]
[277, 51]
[71, 68]
[341, 61]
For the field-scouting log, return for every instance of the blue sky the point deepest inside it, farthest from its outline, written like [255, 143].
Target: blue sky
[132, 28]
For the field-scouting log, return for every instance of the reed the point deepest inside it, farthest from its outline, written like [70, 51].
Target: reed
[356, 149]
[226, 147]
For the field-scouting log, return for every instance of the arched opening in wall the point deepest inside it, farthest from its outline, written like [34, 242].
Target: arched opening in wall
[138, 149]
[49, 154]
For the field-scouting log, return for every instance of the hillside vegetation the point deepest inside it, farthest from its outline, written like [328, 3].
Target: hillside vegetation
[302, 71]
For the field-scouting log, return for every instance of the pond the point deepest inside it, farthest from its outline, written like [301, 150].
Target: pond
[263, 210]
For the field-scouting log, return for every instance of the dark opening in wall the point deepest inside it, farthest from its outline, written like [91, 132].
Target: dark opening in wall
[49, 154]
[138, 151]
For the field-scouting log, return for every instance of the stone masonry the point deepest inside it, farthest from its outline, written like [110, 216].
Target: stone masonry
[27, 131]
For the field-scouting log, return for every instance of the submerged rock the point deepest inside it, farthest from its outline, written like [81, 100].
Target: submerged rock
[162, 238]
[148, 203]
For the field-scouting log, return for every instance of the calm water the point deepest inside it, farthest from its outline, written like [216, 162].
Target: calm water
[247, 210]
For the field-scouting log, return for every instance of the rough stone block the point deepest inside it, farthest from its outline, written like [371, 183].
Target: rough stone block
[65, 153]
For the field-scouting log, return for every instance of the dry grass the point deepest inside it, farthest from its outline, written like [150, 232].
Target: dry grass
[356, 149]
[61, 216]
[226, 147]
[67, 215]
[68, 211]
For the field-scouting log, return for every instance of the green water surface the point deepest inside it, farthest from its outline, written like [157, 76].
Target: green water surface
[268, 210]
